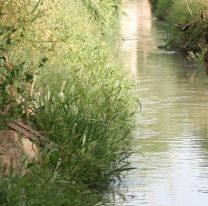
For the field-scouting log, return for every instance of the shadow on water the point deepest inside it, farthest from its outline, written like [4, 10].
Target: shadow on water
[172, 127]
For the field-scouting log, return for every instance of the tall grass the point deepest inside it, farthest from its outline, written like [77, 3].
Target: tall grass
[77, 97]
[43, 186]
[85, 112]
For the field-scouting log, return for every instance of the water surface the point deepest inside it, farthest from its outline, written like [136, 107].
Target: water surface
[171, 141]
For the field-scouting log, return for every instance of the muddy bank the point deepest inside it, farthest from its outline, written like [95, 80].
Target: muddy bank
[15, 150]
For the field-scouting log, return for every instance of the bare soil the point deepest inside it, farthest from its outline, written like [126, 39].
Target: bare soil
[15, 149]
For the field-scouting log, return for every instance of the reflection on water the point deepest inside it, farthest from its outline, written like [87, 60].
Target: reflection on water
[129, 34]
[172, 127]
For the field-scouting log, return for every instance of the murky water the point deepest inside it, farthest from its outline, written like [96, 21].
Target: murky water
[171, 142]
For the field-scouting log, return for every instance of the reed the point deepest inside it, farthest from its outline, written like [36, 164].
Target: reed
[85, 112]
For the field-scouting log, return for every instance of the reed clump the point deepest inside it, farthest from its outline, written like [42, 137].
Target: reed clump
[63, 81]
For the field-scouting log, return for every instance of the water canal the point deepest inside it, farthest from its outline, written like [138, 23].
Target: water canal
[171, 143]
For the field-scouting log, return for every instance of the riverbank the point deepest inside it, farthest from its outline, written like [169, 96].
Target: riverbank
[187, 25]
[59, 78]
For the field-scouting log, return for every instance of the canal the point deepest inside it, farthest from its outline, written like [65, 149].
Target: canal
[170, 143]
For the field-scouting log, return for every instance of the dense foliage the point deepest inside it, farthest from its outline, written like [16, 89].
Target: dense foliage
[187, 23]
[58, 74]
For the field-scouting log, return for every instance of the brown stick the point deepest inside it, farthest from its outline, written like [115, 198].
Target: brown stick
[24, 130]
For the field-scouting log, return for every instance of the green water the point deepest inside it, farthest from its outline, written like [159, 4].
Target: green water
[171, 140]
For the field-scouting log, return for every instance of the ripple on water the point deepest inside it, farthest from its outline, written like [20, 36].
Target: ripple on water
[170, 144]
